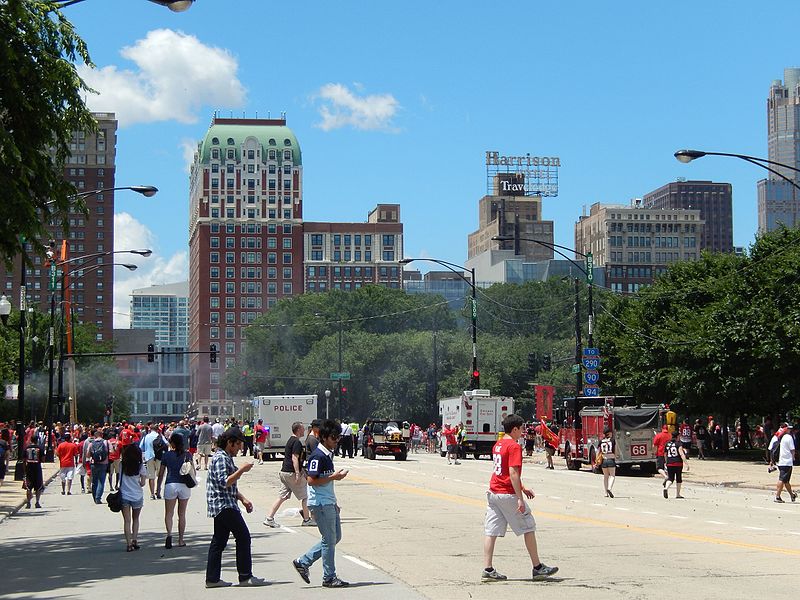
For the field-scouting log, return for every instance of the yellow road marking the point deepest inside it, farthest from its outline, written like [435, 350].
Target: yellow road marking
[408, 489]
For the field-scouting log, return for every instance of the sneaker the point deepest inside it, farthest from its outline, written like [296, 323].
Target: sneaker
[664, 483]
[302, 571]
[609, 494]
[492, 575]
[28, 504]
[63, 493]
[158, 495]
[679, 497]
[254, 582]
[270, 522]
[218, 584]
[543, 571]
[458, 463]
[168, 543]
[778, 499]
[308, 523]
[666, 495]
[794, 497]
[152, 496]
[37, 505]
[335, 583]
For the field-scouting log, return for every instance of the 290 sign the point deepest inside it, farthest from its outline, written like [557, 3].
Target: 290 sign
[638, 450]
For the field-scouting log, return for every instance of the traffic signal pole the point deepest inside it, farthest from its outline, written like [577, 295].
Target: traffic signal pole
[475, 380]
[578, 383]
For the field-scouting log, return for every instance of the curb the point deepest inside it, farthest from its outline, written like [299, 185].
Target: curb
[14, 509]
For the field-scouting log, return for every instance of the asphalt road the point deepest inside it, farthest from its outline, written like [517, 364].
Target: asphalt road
[415, 529]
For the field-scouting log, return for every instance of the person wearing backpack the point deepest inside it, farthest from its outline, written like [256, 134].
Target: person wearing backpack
[98, 452]
[153, 446]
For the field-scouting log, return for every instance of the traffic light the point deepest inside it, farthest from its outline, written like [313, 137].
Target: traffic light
[151, 353]
[533, 364]
[475, 380]
[546, 362]
[213, 355]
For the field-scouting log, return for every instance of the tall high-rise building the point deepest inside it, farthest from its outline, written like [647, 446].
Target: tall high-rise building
[90, 167]
[713, 200]
[777, 198]
[245, 241]
[164, 309]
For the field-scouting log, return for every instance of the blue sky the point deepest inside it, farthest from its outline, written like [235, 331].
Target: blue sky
[416, 92]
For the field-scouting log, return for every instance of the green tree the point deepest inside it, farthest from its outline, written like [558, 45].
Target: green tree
[41, 105]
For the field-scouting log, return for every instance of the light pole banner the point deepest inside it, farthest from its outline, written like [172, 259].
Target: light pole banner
[12, 391]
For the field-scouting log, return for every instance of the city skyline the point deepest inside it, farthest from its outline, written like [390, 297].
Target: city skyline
[384, 114]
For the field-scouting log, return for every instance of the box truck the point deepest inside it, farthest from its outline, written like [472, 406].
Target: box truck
[482, 416]
[278, 414]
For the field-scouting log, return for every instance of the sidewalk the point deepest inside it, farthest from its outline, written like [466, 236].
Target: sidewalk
[12, 496]
[73, 548]
[719, 472]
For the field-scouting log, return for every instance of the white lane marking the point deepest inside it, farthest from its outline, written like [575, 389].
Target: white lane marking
[649, 512]
[717, 522]
[579, 501]
[781, 510]
[794, 532]
[359, 562]
[596, 504]
[754, 528]
[289, 529]
[677, 517]
[621, 508]
[395, 468]
[458, 480]
[555, 497]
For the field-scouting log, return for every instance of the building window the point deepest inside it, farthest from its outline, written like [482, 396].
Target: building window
[214, 257]
[215, 242]
[287, 258]
[287, 272]
[287, 288]
[316, 255]
[287, 243]
[316, 239]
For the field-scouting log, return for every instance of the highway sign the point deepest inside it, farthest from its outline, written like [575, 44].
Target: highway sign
[576, 368]
[591, 391]
[591, 363]
[593, 352]
[591, 377]
[342, 375]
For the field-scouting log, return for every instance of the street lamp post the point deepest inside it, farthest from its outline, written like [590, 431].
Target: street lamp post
[327, 402]
[475, 375]
[173, 5]
[587, 271]
[5, 310]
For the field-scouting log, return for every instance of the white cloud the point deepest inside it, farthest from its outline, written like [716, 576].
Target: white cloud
[342, 108]
[130, 234]
[188, 147]
[176, 76]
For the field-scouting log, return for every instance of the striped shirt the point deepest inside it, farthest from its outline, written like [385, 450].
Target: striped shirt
[219, 497]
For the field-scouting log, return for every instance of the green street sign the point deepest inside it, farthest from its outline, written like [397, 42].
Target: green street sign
[589, 267]
[576, 368]
[343, 375]
[474, 308]
[53, 276]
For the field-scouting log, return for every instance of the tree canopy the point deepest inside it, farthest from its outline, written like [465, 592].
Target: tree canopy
[41, 105]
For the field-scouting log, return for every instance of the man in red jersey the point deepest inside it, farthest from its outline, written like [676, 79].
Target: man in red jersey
[659, 442]
[506, 504]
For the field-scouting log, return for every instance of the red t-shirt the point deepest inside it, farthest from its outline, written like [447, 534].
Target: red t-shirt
[506, 453]
[660, 440]
[450, 436]
[66, 452]
[261, 434]
[114, 450]
[125, 437]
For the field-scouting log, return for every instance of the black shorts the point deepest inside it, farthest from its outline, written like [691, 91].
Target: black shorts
[660, 463]
[675, 473]
[452, 448]
[784, 474]
[528, 444]
[687, 445]
[33, 477]
[550, 449]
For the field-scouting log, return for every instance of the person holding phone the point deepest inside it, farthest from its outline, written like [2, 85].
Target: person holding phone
[324, 508]
[223, 497]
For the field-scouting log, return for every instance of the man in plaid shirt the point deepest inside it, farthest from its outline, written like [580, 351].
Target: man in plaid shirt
[222, 497]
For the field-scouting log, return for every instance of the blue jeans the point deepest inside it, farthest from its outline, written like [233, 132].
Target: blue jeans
[99, 480]
[330, 527]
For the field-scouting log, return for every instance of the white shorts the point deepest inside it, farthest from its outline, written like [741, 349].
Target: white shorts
[290, 485]
[501, 511]
[177, 490]
[260, 446]
[153, 466]
[66, 473]
[204, 449]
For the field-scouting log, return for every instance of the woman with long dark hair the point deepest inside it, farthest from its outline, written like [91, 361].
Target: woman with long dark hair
[134, 475]
[175, 491]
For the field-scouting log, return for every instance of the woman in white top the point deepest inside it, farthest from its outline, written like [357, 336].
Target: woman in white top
[608, 447]
[134, 475]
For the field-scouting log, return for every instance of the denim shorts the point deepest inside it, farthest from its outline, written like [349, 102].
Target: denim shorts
[133, 503]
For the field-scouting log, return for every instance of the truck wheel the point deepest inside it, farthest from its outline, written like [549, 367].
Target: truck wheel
[572, 465]
[401, 456]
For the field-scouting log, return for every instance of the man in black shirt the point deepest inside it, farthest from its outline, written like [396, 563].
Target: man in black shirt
[293, 477]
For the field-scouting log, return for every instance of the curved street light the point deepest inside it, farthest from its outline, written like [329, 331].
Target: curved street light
[589, 277]
[687, 156]
[173, 5]
[475, 378]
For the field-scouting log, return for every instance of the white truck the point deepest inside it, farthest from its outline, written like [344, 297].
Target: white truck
[278, 414]
[482, 416]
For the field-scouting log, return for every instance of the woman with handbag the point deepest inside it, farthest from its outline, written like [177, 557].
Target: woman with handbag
[134, 474]
[608, 448]
[178, 465]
